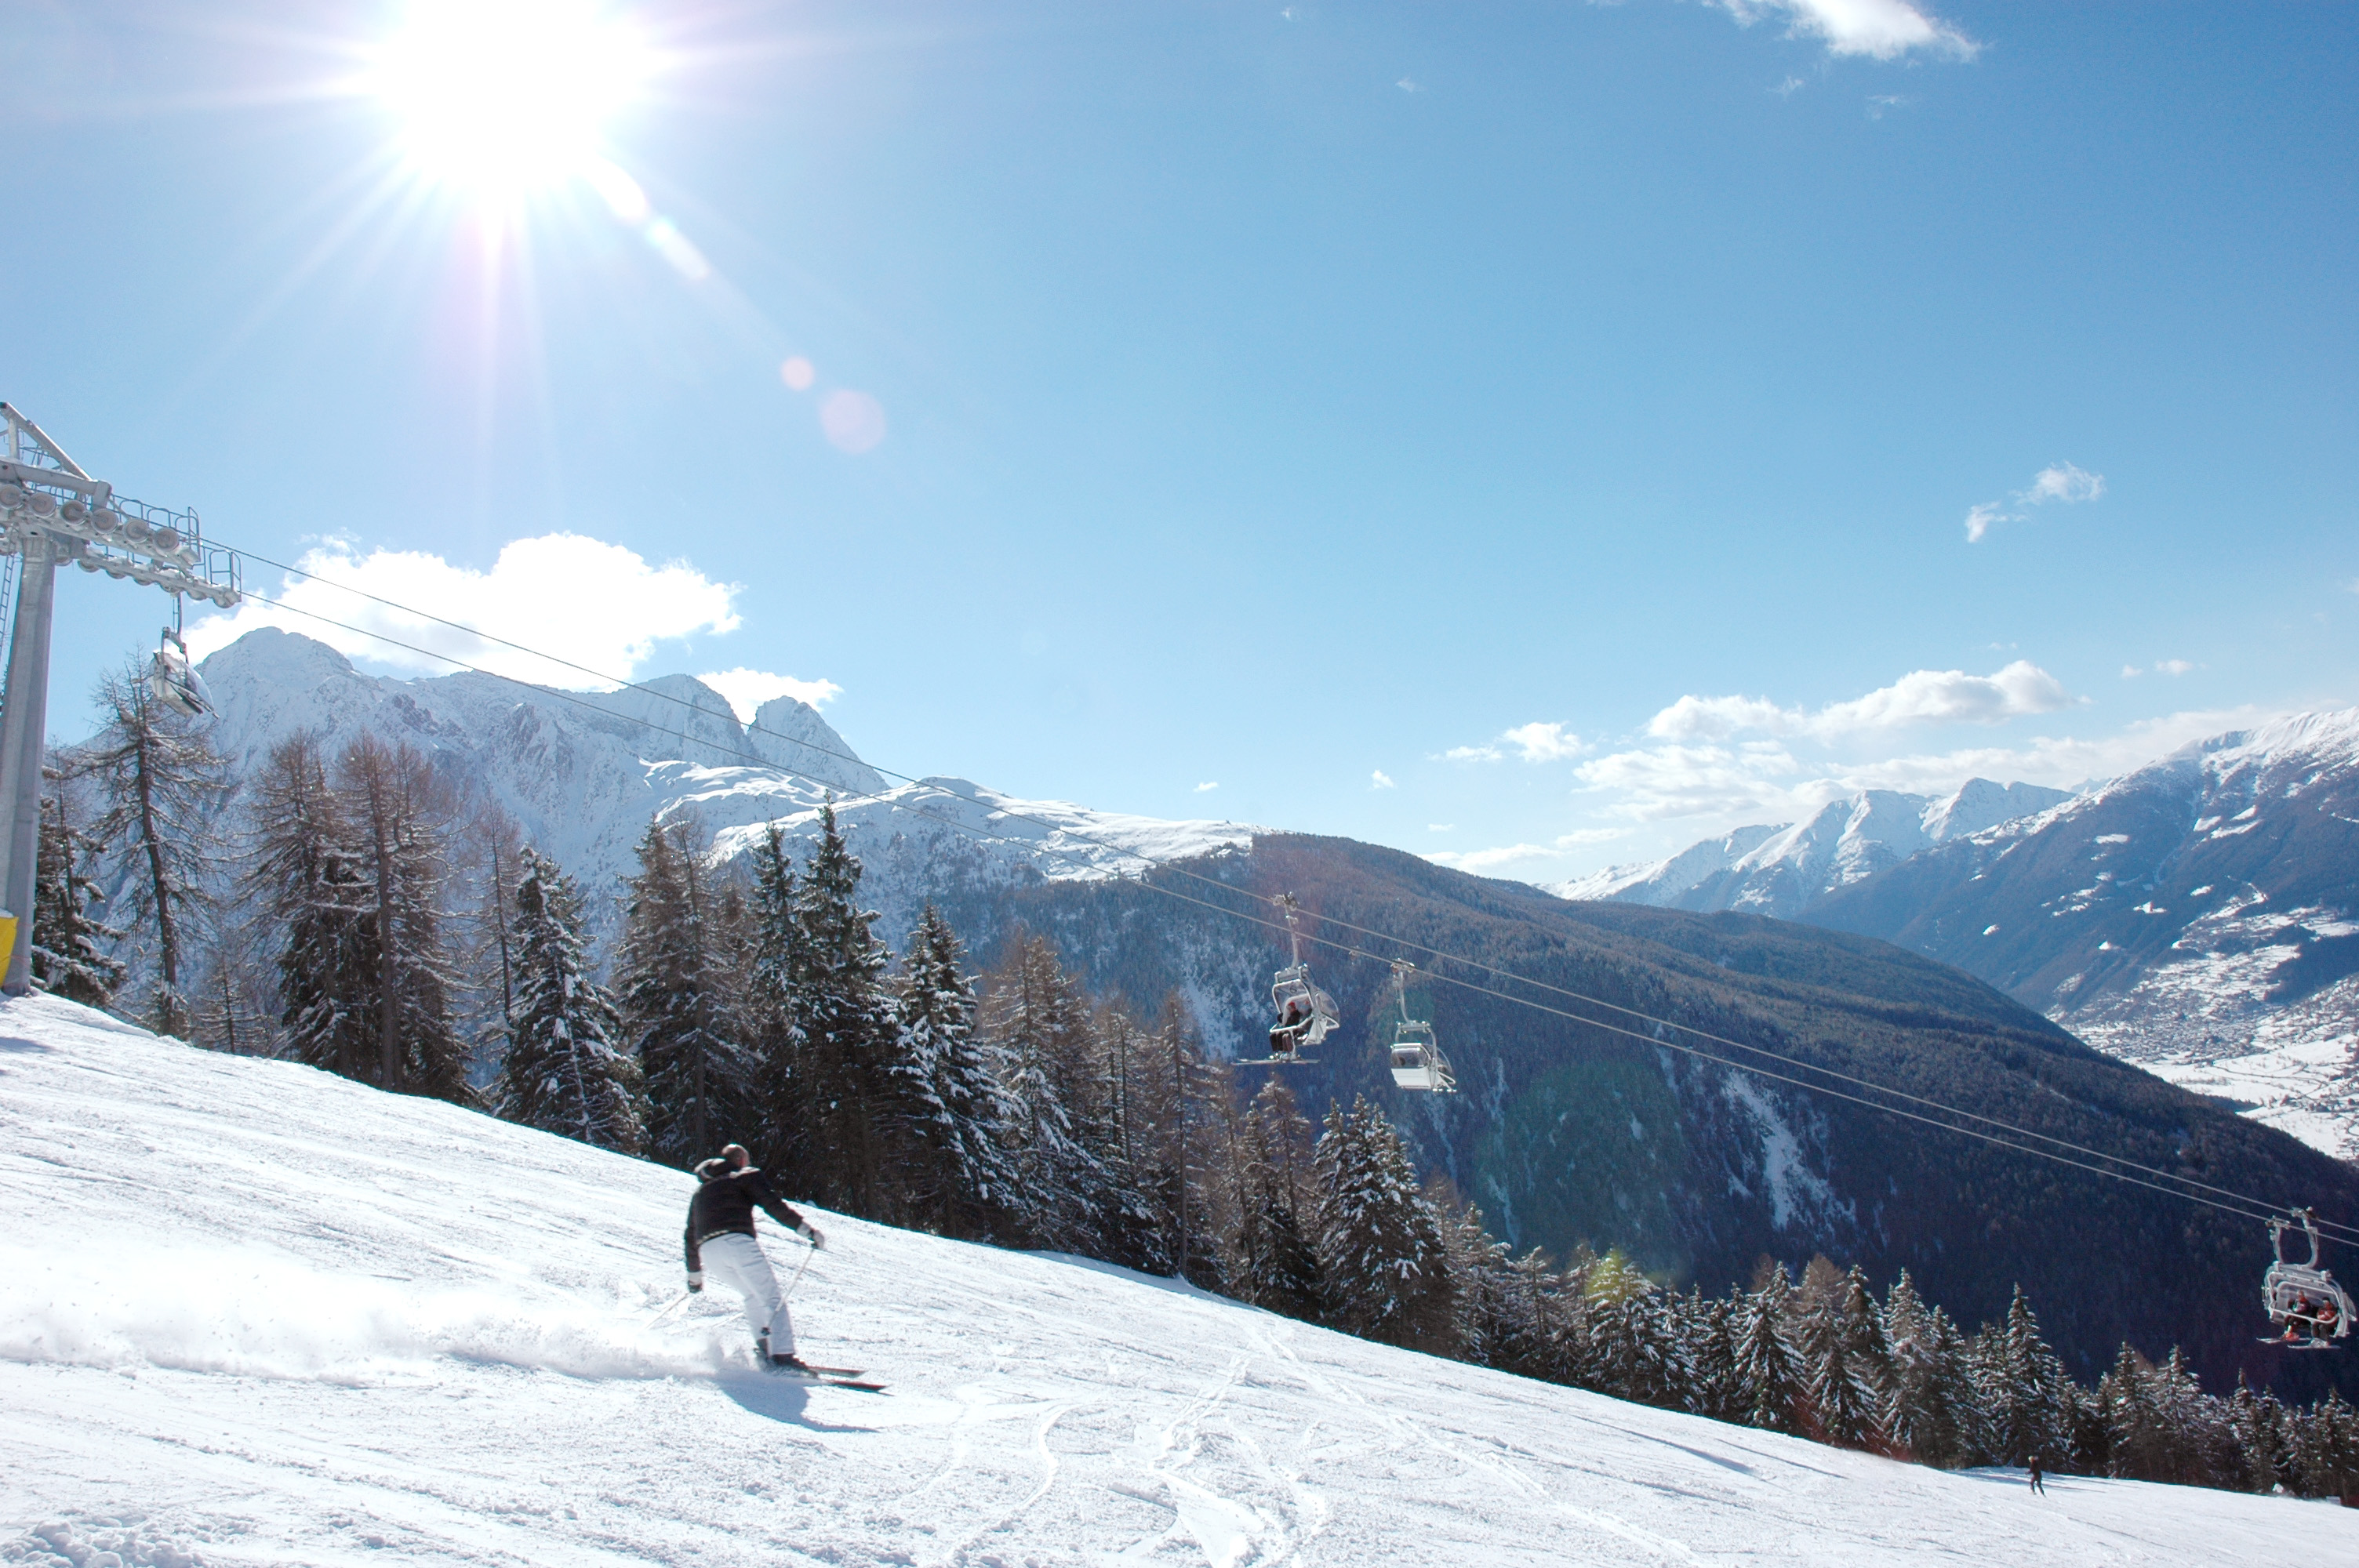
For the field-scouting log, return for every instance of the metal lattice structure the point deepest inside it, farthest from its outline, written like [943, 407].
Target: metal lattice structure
[52, 512]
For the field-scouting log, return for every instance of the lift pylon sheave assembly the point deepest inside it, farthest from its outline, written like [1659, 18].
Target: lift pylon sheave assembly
[1305, 1013]
[2304, 1299]
[50, 511]
[1417, 1061]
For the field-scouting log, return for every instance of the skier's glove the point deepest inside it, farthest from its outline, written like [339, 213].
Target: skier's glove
[695, 1283]
[811, 1234]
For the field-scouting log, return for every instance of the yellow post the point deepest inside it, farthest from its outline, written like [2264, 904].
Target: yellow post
[8, 939]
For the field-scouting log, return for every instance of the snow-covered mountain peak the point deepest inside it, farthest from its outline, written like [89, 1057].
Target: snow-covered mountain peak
[1781, 870]
[583, 773]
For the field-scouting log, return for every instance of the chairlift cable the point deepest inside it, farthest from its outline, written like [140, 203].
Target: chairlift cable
[2346, 1234]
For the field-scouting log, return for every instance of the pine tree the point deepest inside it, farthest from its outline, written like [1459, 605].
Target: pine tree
[847, 1104]
[677, 1020]
[401, 816]
[306, 878]
[66, 960]
[1930, 1416]
[564, 1071]
[1773, 1384]
[1852, 1375]
[964, 1183]
[1488, 1321]
[162, 783]
[1379, 1237]
[773, 958]
[1275, 1264]
[2020, 1386]
[1035, 1023]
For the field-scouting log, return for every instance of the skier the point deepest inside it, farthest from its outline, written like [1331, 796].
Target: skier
[721, 1229]
[2035, 1470]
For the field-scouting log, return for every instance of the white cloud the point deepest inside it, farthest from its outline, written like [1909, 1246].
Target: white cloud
[2062, 482]
[1490, 859]
[1588, 836]
[1441, 828]
[598, 605]
[2161, 667]
[1533, 743]
[1880, 29]
[1380, 780]
[1208, 786]
[747, 689]
[2067, 482]
[1883, 103]
[1920, 697]
[1659, 782]
[1760, 781]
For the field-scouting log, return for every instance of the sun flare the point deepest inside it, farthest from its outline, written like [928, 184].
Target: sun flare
[504, 97]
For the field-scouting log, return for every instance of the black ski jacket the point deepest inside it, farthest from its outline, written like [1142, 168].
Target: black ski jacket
[725, 1206]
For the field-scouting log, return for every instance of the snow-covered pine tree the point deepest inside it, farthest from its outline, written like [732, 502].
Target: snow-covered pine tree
[1035, 1023]
[1274, 1262]
[1380, 1240]
[2263, 1445]
[964, 1183]
[2019, 1382]
[1930, 1415]
[1713, 1389]
[1118, 1102]
[1851, 1374]
[1773, 1384]
[67, 957]
[848, 1103]
[564, 1071]
[1633, 1349]
[161, 785]
[401, 816]
[305, 877]
[1487, 1322]
[677, 1017]
[773, 954]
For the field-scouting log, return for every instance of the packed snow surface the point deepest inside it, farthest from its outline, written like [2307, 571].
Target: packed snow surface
[250, 1312]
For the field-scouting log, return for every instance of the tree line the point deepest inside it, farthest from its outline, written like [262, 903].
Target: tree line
[378, 925]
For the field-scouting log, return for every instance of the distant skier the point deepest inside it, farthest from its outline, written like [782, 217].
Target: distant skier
[721, 1231]
[2037, 1469]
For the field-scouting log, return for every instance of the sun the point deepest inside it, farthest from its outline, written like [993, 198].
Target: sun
[506, 97]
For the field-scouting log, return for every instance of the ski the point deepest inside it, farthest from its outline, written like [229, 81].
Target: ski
[818, 1379]
[835, 1371]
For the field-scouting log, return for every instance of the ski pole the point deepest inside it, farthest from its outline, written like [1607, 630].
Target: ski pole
[667, 1312]
[798, 1280]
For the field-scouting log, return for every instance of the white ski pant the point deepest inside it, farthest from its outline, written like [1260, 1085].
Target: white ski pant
[736, 1261]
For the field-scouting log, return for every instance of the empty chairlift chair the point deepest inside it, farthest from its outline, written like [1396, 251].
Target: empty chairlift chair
[2305, 1301]
[1417, 1061]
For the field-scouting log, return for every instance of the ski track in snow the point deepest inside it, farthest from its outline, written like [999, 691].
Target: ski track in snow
[251, 1313]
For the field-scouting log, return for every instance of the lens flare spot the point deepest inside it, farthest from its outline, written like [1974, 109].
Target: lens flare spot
[678, 249]
[623, 197]
[854, 421]
[797, 373]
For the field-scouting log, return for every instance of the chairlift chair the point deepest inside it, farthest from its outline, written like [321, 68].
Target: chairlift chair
[1417, 1061]
[1305, 1013]
[173, 680]
[2301, 1297]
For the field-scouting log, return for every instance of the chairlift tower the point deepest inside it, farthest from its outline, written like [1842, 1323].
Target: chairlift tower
[51, 512]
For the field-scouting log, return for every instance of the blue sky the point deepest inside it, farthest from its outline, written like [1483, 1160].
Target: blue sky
[1535, 434]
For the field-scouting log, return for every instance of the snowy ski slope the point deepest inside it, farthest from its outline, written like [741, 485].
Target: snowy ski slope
[250, 1312]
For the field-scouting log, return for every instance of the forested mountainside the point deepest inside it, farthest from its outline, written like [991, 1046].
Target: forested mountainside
[1566, 1133]
[2196, 916]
